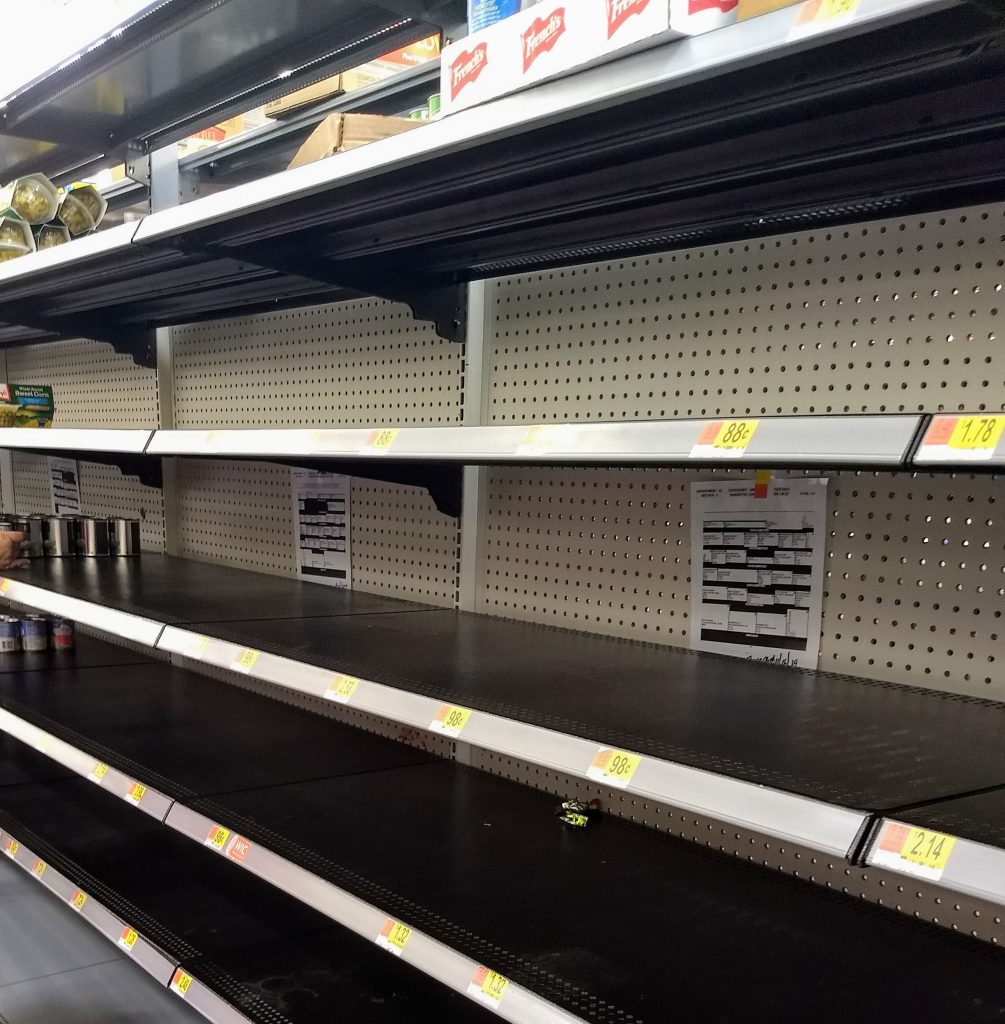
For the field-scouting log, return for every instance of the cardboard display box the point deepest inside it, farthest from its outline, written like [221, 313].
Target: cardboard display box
[366, 74]
[26, 405]
[340, 132]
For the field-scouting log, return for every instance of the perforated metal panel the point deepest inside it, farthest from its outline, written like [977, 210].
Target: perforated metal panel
[915, 570]
[917, 898]
[402, 545]
[93, 385]
[104, 491]
[241, 513]
[890, 316]
[350, 363]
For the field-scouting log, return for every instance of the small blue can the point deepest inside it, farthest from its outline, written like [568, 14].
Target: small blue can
[34, 634]
[10, 634]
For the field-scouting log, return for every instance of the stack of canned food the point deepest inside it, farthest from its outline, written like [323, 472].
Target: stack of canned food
[35, 633]
[71, 536]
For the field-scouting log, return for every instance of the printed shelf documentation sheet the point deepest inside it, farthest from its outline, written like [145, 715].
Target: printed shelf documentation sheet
[757, 558]
[321, 524]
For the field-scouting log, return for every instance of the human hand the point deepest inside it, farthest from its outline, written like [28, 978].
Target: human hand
[10, 550]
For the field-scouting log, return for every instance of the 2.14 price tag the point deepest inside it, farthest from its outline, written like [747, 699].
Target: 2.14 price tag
[181, 983]
[916, 851]
[341, 689]
[128, 939]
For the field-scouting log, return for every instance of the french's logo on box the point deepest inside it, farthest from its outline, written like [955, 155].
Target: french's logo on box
[466, 68]
[619, 11]
[542, 35]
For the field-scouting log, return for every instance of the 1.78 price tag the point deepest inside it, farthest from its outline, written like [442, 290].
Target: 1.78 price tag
[961, 438]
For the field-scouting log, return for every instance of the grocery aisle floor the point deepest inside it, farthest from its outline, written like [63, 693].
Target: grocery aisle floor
[55, 969]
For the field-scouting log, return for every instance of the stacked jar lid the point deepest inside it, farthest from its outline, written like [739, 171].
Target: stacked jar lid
[72, 536]
[34, 214]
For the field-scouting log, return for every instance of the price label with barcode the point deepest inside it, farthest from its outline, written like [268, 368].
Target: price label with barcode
[724, 439]
[341, 689]
[916, 851]
[394, 937]
[450, 720]
[613, 767]
[488, 987]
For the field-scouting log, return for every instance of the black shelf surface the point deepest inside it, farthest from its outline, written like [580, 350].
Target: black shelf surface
[271, 956]
[979, 817]
[178, 590]
[190, 735]
[88, 652]
[847, 741]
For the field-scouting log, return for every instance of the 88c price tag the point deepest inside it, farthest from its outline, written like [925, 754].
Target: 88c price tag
[724, 439]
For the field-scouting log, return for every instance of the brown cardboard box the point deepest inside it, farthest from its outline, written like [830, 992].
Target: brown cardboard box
[340, 132]
[366, 74]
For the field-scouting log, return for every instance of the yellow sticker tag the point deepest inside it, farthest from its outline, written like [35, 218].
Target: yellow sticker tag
[98, 772]
[217, 838]
[136, 793]
[341, 689]
[450, 720]
[128, 939]
[201, 644]
[78, 899]
[246, 660]
[917, 851]
[735, 435]
[4, 585]
[381, 440]
[394, 936]
[977, 433]
[12, 847]
[613, 767]
[181, 983]
[39, 868]
[488, 987]
[817, 15]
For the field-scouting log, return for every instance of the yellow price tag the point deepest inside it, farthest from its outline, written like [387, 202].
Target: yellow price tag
[181, 982]
[381, 440]
[917, 851]
[136, 793]
[128, 939]
[341, 689]
[814, 14]
[217, 838]
[98, 772]
[450, 720]
[488, 987]
[613, 767]
[39, 868]
[4, 585]
[394, 936]
[78, 899]
[12, 847]
[246, 660]
[735, 435]
[200, 645]
[977, 433]
[928, 849]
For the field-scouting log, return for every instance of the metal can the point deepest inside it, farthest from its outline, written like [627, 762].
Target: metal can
[434, 105]
[97, 538]
[34, 634]
[125, 536]
[64, 534]
[10, 634]
[62, 634]
[33, 545]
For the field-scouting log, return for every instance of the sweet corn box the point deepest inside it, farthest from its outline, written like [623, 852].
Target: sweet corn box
[26, 405]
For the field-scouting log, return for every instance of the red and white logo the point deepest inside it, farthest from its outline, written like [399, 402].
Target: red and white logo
[466, 68]
[5, 392]
[239, 848]
[619, 11]
[697, 6]
[542, 36]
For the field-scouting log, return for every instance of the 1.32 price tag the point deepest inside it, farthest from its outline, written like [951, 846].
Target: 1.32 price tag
[394, 937]
[916, 851]
[613, 767]
[488, 987]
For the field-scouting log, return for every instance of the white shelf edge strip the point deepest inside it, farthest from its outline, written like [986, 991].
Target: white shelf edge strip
[123, 624]
[121, 933]
[144, 797]
[789, 439]
[972, 868]
[62, 439]
[825, 827]
[446, 965]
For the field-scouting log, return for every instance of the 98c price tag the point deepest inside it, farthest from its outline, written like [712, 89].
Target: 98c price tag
[613, 767]
[450, 720]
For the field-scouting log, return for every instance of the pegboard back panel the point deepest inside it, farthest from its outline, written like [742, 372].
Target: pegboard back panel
[402, 545]
[914, 590]
[897, 315]
[104, 491]
[241, 514]
[237, 513]
[343, 364]
[93, 385]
